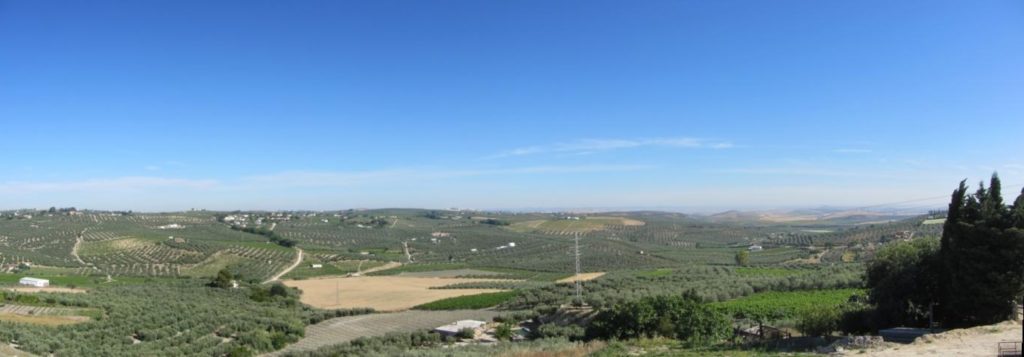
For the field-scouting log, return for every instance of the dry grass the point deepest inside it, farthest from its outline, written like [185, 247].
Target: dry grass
[382, 293]
[575, 351]
[45, 320]
[581, 277]
[632, 222]
[8, 351]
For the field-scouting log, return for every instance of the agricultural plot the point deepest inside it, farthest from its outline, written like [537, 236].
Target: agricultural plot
[712, 283]
[581, 277]
[345, 329]
[42, 241]
[479, 301]
[570, 226]
[454, 273]
[169, 317]
[48, 289]
[382, 293]
[787, 303]
[45, 315]
[330, 265]
[727, 256]
[255, 262]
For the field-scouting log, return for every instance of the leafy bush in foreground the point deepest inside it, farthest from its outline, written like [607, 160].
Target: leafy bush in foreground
[818, 321]
[680, 317]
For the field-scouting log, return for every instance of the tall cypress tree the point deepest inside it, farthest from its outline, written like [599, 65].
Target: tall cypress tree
[981, 258]
[953, 217]
[994, 211]
[1018, 211]
[950, 243]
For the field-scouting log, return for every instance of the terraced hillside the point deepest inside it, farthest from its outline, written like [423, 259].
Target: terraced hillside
[100, 243]
[201, 243]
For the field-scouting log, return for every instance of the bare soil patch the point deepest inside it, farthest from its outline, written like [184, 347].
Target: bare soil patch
[975, 341]
[382, 293]
[581, 277]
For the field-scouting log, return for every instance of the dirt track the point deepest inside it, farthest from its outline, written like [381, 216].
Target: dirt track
[975, 341]
[298, 260]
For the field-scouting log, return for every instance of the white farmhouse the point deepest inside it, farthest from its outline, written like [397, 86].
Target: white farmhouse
[317, 266]
[755, 248]
[36, 282]
[453, 328]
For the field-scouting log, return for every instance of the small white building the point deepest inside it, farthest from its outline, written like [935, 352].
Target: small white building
[317, 266]
[512, 245]
[755, 248]
[36, 282]
[454, 328]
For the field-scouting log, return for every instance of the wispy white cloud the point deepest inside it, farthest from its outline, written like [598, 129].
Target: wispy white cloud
[589, 146]
[105, 184]
[152, 168]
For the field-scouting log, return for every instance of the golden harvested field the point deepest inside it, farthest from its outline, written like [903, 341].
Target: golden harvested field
[382, 293]
[582, 277]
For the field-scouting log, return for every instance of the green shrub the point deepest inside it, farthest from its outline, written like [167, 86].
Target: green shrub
[466, 333]
[503, 332]
[818, 321]
[681, 317]
[858, 319]
[570, 332]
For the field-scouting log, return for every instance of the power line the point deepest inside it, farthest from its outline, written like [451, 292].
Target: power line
[921, 199]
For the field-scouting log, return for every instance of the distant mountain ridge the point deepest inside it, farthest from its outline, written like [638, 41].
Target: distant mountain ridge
[820, 215]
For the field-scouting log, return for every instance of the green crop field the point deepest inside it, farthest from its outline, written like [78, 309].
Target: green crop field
[469, 302]
[787, 302]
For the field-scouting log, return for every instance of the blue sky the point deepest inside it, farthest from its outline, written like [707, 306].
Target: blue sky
[694, 105]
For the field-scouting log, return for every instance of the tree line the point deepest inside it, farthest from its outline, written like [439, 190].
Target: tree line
[973, 275]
